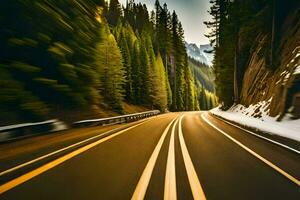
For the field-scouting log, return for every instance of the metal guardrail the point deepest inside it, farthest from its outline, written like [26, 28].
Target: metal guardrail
[116, 120]
[19, 131]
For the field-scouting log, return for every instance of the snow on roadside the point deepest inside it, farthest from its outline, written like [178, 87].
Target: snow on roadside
[256, 116]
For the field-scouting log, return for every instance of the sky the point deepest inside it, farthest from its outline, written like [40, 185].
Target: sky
[191, 13]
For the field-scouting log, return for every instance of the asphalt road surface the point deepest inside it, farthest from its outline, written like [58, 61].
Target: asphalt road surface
[189, 155]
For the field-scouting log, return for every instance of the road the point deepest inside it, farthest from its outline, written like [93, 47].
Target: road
[188, 155]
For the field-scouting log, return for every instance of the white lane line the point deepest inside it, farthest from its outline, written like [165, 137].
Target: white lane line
[170, 192]
[196, 188]
[21, 179]
[282, 172]
[59, 151]
[262, 137]
[53, 153]
[143, 183]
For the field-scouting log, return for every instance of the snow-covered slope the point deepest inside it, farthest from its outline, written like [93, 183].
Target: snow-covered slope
[203, 53]
[256, 116]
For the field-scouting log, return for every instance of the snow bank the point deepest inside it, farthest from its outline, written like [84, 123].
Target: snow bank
[256, 116]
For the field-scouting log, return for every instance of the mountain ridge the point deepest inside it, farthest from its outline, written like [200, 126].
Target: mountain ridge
[202, 53]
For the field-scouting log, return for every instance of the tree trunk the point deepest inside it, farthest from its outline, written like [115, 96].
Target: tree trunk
[236, 67]
[273, 33]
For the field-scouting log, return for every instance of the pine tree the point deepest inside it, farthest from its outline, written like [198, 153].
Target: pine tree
[75, 58]
[136, 73]
[111, 71]
[50, 58]
[114, 12]
[144, 72]
[163, 34]
[161, 98]
[127, 65]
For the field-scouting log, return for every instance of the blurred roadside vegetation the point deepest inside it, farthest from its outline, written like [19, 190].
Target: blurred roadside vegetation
[48, 57]
[67, 59]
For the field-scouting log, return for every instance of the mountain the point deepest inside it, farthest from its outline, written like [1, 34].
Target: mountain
[203, 53]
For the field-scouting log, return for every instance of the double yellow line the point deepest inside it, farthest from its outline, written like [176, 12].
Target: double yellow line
[140, 191]
[170, 192]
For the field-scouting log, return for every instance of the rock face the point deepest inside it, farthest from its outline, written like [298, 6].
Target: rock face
[279, 85]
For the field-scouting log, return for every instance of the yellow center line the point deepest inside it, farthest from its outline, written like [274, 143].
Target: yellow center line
[65, 148]
[170, 178]
[196, 188]
[282, 172]
[19, 180]
[143, 183]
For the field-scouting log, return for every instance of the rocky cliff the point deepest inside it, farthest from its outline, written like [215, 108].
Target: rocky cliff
[279, 84]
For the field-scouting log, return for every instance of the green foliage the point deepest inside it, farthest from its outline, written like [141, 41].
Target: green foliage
[111, 71]
[144, 74]
[127, 39]
[16, 99]
[180, 70]
[236, 28]
[114, 12]
[136, 72]
[83, 53]
[203, 73]
[160, 98]
[204, 78]
[49, 50]
[147, 45]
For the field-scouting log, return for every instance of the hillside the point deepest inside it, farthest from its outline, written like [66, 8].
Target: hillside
[91, 60]
[203, 73]
[204, 78]
[259, 60]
